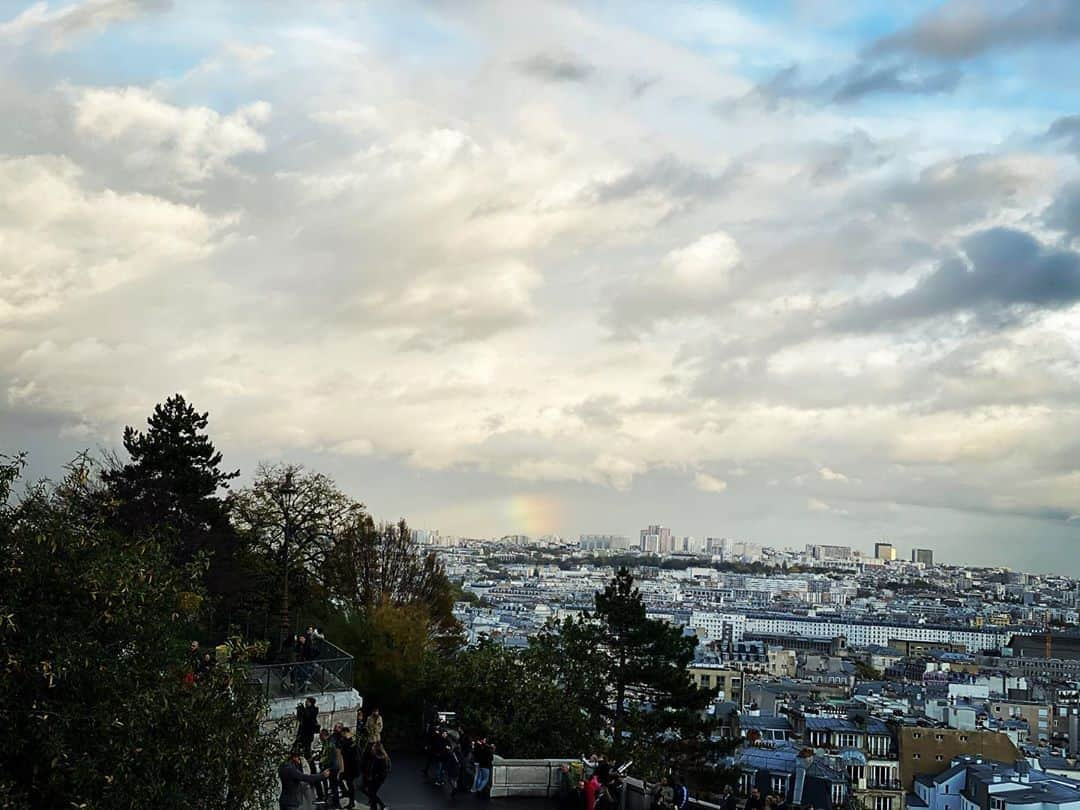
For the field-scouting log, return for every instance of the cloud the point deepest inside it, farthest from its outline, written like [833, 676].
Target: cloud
[869, 80]
[1001, 271]
[832, 475]
[61, 25]
[64, 239]
[169, 144]
[709, 483]
[963, 29]
[862, 80]
[1063, 214]
[557, 68]
[1067, 131]
[691, 280]
[671, 181]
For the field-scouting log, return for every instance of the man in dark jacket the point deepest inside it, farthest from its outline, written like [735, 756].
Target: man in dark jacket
[291, 773]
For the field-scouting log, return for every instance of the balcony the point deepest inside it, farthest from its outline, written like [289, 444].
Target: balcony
[328, 678]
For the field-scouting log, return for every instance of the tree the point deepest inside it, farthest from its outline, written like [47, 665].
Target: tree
[172, 486]
[94, 705]
[639, 689]
[294, 517]
[172, 482]
[368, 567]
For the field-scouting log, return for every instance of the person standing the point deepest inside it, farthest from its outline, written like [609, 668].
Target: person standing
[566, 788]
[291, 773]
[374, 727]
[331, 763]
[592, 789]
[682, 794]
[755, 802]
[484, 753]
[350, 764]
[376, 773]
[307, 726]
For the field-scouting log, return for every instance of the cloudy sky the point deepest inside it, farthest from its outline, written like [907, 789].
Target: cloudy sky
[788, 271]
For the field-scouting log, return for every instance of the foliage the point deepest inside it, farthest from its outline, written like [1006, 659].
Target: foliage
[94, 627]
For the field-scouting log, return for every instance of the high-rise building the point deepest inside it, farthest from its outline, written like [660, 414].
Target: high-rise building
[924, 556]
[656, 539]
[599, 542]
[884, 551]
[820, 552]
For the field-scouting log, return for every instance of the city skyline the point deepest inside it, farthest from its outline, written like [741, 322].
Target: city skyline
[797, 273]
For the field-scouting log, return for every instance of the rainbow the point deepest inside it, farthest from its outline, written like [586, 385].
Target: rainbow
[534, 515]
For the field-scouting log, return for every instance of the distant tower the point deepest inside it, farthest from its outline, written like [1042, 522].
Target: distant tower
[924, 556]
[884, 551]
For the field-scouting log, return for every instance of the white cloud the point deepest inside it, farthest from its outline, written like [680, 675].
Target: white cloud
[59, 26]
[832, 475]
[182, 145]
[709, 483]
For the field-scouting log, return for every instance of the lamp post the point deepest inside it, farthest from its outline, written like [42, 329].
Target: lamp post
[285, 495]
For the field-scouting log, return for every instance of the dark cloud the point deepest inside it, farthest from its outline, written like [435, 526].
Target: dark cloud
[962, 30]
[557, 68]
[855, 152]
[864, 80]
[1064, 213]
[1003, 273]
[1066, 130]
[676, 180]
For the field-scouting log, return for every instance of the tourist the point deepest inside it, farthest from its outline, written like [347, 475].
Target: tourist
[374, 727]
[350, 762]
[592, 790]
[431, 747]
[291, 773]
[484, 753]
[682, 794]
[664, 794]
[566, 788]
[376, 772]
[729, 801]
[331, 762]
[755, 802]
[307, 726]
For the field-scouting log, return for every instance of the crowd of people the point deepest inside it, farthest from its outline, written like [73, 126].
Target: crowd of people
[460, 759]
[343, 761]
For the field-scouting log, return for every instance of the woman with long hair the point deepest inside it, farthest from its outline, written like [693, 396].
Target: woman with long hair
[376, 772]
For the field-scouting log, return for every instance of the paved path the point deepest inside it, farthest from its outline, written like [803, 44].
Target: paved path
[406, 789]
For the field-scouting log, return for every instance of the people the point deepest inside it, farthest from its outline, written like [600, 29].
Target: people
[592, 789]
[350, 763]
[664, 794]
[291, 773]
[755, 802]
[307, 726]
[566, 788]
[681, 793]
[729, 801]
[374, 726]
[484, 754]
[376, 772]
[331, 763]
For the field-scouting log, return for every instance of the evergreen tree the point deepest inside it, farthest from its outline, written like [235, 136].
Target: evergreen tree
[171, 483]
[97, 705]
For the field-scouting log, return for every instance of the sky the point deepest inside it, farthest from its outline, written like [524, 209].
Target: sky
[791, 271]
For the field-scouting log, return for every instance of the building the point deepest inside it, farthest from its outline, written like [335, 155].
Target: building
[884, 551]
[977, 783]
[823, 552]
[801, 777]
[718, 677]
[928, 751]
[924, 556]
[656, 540]
[602, 542]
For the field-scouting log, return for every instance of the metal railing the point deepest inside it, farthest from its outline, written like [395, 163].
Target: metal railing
[331, 671]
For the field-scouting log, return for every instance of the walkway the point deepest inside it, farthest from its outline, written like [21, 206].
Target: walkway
[408, 790]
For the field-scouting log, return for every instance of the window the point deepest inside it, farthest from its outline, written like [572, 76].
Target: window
[939, 758]
[916, 756]
[747, 782]
[837, 796]
[778, 784]
[883, 803]
[917, 735]
[997, 804]
[963, 738]
[939, 737]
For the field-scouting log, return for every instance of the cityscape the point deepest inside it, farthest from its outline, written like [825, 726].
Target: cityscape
[535, 404]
